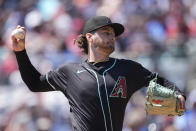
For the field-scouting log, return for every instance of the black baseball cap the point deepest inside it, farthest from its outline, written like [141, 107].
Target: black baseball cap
[101, 21]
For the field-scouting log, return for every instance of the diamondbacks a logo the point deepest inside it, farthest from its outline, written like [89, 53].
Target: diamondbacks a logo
[120, 89]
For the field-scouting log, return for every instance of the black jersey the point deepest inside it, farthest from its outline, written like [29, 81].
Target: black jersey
[97, 94]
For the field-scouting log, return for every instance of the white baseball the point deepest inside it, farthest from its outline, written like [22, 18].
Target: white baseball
[19, 33]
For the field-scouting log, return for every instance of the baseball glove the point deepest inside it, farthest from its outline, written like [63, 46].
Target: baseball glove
[162, 100]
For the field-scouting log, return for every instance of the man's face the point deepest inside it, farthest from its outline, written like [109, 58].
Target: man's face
[104, 39]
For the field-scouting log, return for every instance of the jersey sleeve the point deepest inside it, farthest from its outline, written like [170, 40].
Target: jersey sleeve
[57, 79]
[143, 76]
[31, 77]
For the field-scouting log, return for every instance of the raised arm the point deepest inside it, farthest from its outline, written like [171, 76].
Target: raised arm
[32, 78]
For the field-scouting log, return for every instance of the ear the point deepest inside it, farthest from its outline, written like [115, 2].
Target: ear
[89, 37]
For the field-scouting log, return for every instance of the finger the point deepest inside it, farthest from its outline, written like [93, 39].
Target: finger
[181, 102]
[23, 28]
[14, 38]
[182, 105]
[15, 43]
[21, 43]
[18, 27]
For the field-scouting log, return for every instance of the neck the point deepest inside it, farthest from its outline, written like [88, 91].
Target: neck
[96, 56]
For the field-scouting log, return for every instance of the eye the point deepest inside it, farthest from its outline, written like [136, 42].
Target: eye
[108, 33]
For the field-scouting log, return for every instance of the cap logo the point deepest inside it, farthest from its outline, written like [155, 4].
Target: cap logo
[102, 21]
[108, 21]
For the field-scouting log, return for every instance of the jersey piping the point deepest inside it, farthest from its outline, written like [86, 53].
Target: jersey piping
[107, 92]
[49, 82]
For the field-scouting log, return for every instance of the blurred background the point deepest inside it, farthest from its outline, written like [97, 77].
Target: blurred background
[160, 34]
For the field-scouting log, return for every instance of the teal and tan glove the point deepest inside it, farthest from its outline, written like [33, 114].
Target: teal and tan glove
[161, 100]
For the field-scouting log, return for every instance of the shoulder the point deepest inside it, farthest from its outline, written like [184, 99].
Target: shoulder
[68, 67]
[127, 62]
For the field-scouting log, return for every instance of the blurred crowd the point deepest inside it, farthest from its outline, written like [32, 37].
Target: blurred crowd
[160, 34]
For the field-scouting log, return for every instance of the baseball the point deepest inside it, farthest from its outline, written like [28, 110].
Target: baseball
[19, 33]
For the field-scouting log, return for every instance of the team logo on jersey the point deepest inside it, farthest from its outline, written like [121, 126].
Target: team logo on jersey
[120, 89]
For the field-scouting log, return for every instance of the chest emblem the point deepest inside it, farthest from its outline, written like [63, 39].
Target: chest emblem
[120, 89]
